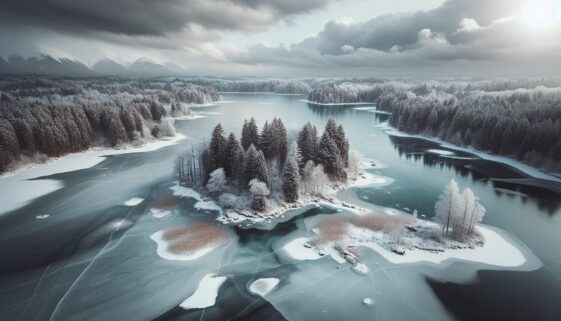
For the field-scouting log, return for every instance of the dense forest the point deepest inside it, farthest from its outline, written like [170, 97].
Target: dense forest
[267, 164]
[518, 119]
[52, 117]
[294, 87]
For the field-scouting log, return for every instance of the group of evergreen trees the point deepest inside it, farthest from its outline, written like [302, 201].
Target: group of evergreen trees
[55, 117]
[263, 163]
[518, 119]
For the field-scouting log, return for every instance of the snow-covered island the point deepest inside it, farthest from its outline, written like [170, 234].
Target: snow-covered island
[264, 175]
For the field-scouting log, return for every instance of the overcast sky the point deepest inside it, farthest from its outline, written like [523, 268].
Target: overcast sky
[363, 38]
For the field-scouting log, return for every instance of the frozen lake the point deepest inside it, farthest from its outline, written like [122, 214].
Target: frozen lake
[85, 251]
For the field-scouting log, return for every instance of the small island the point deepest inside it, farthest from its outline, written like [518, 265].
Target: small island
[269, 172]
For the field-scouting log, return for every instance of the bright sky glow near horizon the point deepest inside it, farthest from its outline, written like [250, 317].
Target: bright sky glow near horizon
[295, 38]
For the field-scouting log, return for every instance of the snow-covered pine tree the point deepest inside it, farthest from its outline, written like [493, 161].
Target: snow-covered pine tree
[217, 148]
[343, 144]
[245, 138]
[261, 171]
[252, 133]
[266, 141]
[233, 148]
[255, 165]
[330, 157]
[294, 151]
[250, 164]
[280, 141]
[308, 142]
[291, 179]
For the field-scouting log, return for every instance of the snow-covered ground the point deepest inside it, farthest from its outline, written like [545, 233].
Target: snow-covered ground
[496, 250]
[164, 253]
[441, 152]
[206, 293]
[202, 204]
[17, 188]
[263, 286]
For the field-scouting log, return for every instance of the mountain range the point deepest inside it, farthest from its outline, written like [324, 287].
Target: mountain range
[47, 65]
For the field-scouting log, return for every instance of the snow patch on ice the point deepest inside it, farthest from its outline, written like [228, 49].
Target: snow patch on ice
[134, 201]
[159, 213]
[42, 217]
[298, 249]
[368, 302]
[361, 268]
[206, 293]
[263, 286]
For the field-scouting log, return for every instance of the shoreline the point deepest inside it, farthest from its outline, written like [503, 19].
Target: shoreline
[19, 188]
[516, 164]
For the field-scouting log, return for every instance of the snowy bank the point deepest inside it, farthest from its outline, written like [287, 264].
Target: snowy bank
[18, 189]
[206, 293]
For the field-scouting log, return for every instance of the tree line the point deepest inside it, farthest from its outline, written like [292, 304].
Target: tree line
[46, 117]
[521, 123]
[265, 163]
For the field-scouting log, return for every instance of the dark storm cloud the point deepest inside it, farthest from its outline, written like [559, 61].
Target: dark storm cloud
[149, 17]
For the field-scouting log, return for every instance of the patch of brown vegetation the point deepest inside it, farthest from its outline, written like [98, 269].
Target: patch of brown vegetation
[190, 238]
[330, 230]
[166, 203]
[379, 222]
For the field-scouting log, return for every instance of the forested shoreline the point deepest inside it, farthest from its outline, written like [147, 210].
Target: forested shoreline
[46, 117]
[516, 119]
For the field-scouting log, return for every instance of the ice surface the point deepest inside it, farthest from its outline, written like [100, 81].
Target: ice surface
[206, 293]
[17, 188]
[263, 286]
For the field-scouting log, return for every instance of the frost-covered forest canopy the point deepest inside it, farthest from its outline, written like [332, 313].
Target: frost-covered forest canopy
[515, 118]
[51, 117]
[518, 119]
[267, 163]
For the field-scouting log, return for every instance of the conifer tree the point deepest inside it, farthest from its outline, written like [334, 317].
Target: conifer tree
[217, 148]
[250, 134]
[330, 157]
[308, 143]
[232, 152]
[291, 180]
[280, 141]
[256, 165]
[266, 141]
